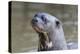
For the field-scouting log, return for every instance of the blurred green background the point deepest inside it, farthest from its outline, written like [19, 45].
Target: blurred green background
[24, 38]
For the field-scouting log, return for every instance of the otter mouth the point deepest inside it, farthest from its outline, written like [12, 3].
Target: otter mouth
[37, 29]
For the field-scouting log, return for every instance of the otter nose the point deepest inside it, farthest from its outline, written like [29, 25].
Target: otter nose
[34, 20]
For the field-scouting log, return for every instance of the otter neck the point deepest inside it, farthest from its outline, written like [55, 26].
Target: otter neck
[57, 37]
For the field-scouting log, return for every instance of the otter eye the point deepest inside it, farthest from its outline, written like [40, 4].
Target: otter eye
[42, 17]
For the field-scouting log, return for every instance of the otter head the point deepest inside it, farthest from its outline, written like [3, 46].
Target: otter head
[44, 22]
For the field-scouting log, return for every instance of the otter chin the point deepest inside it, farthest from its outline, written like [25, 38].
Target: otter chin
[37, 29]
[50, 31]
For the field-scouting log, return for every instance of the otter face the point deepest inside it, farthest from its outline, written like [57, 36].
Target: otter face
[44, 22]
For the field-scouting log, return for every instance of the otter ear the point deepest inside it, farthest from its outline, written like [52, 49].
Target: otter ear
[57, 23]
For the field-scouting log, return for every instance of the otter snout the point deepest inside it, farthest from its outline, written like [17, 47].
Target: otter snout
[34, 21]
